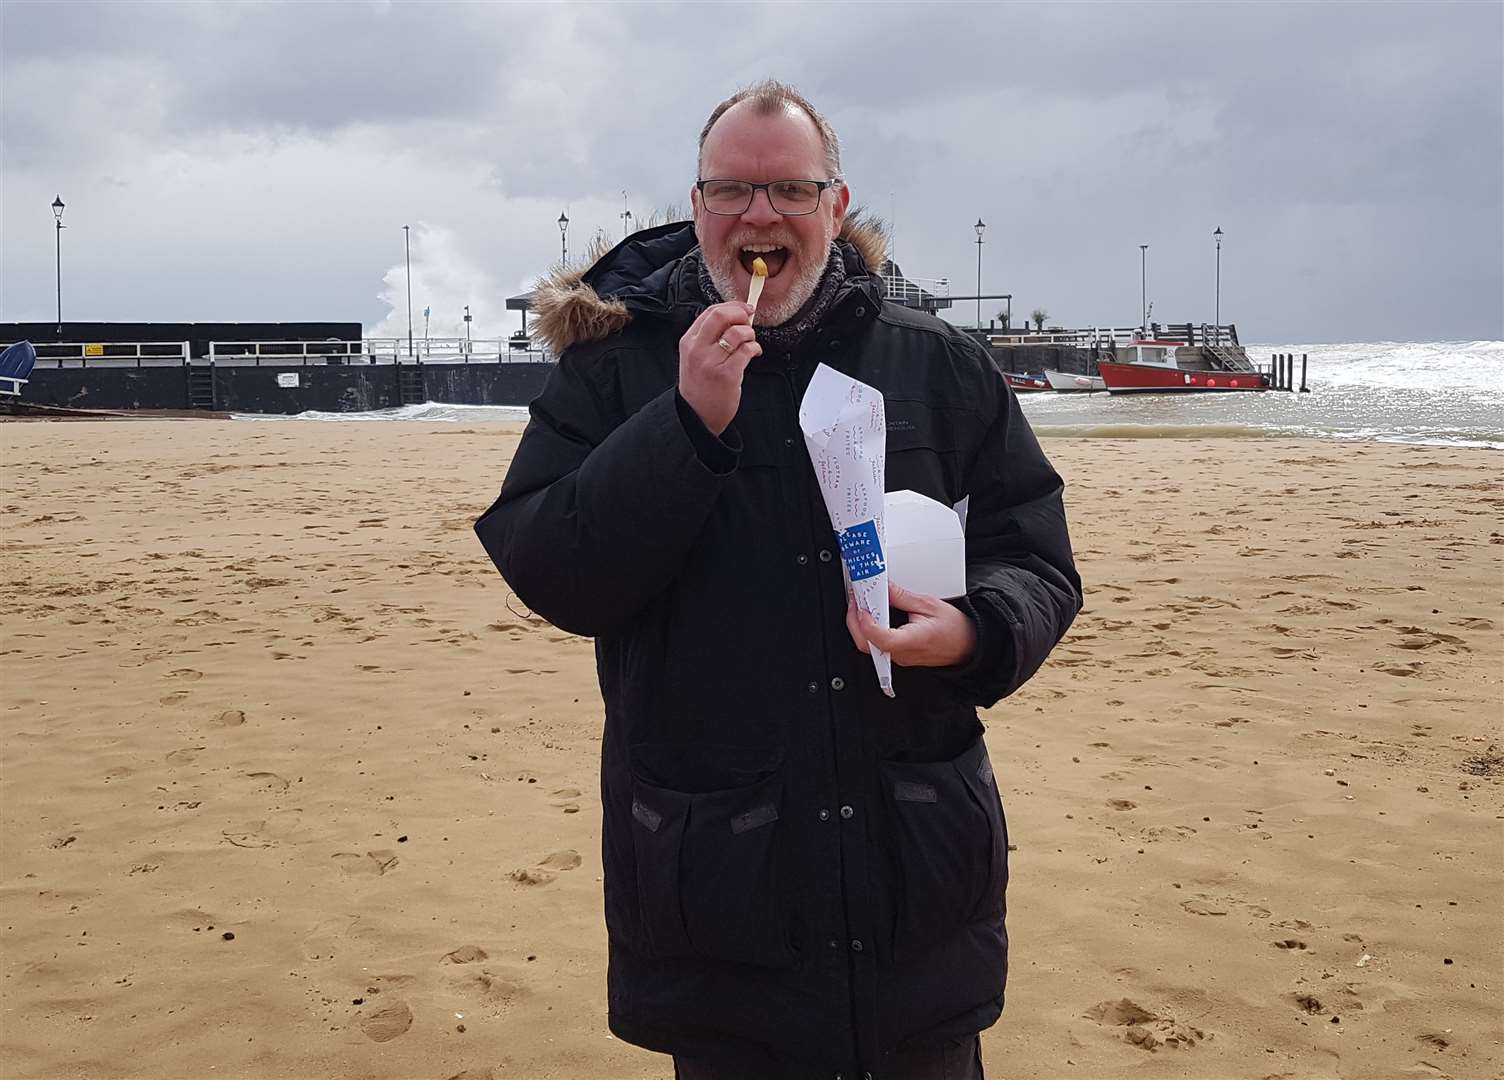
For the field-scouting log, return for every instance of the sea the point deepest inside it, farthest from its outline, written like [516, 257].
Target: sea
[1442, 393]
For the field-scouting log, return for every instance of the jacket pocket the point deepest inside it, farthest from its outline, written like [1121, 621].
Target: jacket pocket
[707, 872]
[949, 846]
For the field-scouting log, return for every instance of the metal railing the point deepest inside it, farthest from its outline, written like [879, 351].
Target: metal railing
[1103, 337]
[1230, 356]
[112, 353]
[913, 289]
[372, 351]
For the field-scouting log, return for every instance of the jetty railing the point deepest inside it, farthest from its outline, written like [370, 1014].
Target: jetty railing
[1102, 337]
[373, 351]
[111, 353]
[914, 289]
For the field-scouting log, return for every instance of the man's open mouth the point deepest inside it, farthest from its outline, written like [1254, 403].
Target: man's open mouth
[773, 255]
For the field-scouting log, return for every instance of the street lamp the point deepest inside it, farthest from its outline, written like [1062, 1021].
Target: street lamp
[408, 253]
[563, 238]
[1143, 288]
[467, 327]
[980, 226]
[626, 217]
[57, 212]
[1218, 316]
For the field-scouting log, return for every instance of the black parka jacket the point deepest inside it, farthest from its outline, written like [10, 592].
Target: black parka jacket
[797, 868]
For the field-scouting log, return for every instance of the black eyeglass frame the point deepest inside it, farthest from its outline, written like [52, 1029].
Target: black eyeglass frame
[821, 186]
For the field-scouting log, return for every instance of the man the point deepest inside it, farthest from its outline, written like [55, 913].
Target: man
[803, 877]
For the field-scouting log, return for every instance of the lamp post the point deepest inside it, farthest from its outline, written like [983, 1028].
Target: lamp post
[563, 237]
[408, 256]
[1218, 309]
[467, 328]
[1143, 287]
[57, 212]
[626, 217]
[427, 311]
[980, 226]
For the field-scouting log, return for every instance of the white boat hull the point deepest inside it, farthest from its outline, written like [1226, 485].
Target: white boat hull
[1064, 383]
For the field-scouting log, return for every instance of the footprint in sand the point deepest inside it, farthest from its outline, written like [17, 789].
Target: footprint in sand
[1142, 1028]
[485, 1072]
[1415, 638]
[564, 799]
[1204, 905]
[527, 876]
[567, 859]
[228, 718]
[1402, 671]
[1292, 944]
[1121, 804]
[177, 697]
[496, 990]
[184, 754]
[372, 863]
[185, 675]
[465, 954]
[387, 1022]
[250, 835]
[270, 780]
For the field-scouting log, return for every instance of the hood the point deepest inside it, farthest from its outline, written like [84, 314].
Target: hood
[573, 305]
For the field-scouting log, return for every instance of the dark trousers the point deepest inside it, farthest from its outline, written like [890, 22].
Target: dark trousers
[961, 1061]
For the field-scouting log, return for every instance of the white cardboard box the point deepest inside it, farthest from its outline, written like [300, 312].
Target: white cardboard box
[925, 545]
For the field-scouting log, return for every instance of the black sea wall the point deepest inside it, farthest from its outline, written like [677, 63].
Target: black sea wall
[286, 389]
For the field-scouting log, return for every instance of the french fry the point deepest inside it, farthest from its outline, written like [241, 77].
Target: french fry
[759, 279]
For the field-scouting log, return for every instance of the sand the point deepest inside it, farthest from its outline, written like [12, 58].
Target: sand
[290, 790]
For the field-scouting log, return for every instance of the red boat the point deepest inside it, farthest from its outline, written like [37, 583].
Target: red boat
[1152, 367]
[1026, 384]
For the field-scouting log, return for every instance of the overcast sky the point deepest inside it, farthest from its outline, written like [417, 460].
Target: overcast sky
[258, 161]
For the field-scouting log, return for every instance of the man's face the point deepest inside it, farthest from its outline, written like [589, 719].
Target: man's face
[784, 146]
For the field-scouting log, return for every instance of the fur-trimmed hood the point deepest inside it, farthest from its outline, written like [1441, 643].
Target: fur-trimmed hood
[572, 304]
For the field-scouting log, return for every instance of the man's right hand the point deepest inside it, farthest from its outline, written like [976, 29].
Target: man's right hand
[710, 373]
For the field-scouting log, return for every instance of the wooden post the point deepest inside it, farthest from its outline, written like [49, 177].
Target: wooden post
[1304, 389]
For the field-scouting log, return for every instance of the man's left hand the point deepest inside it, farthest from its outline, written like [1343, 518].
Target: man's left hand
[937, 634]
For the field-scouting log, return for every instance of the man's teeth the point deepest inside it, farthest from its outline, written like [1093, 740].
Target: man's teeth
[761, 249]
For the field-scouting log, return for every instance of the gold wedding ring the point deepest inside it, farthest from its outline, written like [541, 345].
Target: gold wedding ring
[723, 343]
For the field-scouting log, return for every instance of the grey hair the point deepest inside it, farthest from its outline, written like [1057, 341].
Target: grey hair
[771, 96]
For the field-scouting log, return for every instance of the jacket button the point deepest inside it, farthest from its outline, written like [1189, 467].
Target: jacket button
[847, 813]
[825, 555]
[802, 559]
[824, 815]
[788, 442]
[838, 683]
[833, 943]
[860, 312]
[813, 688]
[856, 945]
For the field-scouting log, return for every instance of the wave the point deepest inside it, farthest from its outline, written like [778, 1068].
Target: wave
[1151, 431]
[434, 411]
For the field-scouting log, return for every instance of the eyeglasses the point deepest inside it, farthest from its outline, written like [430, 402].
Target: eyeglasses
[792, 198]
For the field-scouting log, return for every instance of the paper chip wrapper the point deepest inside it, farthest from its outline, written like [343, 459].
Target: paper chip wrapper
[846, 433]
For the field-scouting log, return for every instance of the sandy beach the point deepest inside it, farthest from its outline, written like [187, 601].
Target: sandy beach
[291, 789]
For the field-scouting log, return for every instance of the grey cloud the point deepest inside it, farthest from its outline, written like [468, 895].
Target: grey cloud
[1353, 152]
